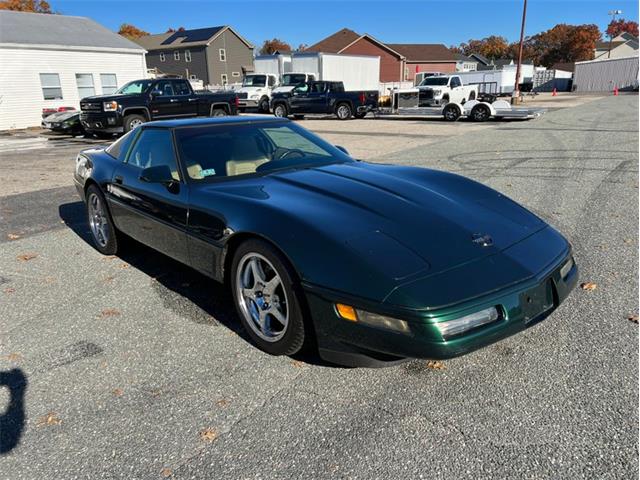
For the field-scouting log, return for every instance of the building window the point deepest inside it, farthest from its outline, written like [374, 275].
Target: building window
[50, 83]
[187, 55]
[235, 74]
[162, 58]
[223, 55]
[85, 85]
[109, 83]
[176, 55]
[224, 79]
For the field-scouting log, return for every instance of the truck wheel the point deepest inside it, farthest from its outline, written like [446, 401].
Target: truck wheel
[280, 110]
[343, 111]
[480, 113]
[263, 106]
[133, 121]
[219, 112]
[451, 113]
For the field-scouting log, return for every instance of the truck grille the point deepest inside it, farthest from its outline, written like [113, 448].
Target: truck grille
[243, 95]
[90, 106]
[426, 94]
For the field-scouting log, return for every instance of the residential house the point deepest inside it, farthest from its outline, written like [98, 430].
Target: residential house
[214, 55]
[53, 61]
[465, 63]
[621, 46]
[398, 62]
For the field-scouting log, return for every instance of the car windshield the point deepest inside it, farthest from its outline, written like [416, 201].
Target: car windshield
[254, 81]
[290, 79]
[137, 86]
[228, 150]
[435, 81]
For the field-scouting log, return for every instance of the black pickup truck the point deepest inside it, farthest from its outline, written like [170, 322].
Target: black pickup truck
[141, 101]
[324, 97]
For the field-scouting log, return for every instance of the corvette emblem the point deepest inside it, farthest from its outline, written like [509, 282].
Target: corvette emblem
[482, 240]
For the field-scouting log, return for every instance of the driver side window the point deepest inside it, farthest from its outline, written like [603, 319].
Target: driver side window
[304, 88]
[455, 82]
[153, 148]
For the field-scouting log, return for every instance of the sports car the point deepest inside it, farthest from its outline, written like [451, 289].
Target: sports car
[370, 264]
[64, 122]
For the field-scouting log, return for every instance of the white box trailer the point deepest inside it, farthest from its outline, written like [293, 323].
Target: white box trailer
[494, 82]
[276, 64]
[356, 72]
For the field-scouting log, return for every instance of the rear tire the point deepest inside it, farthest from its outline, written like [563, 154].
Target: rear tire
[262, 306]
[133, 121]
[480, 113]
[219, 112]
[103, 231]
[451, 113]
[343, 111]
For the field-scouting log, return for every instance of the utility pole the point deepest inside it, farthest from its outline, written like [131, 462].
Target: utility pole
[613, 14]
[516, 90]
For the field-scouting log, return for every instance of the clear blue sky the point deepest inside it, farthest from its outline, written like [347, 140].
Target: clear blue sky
[307, 21]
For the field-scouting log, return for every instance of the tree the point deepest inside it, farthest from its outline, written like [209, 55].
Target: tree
[492, 47]
[36, 6]
[274, 45]
[302, 47]
[564, 43]
[131, 31]
[173, 30]
[616, 27]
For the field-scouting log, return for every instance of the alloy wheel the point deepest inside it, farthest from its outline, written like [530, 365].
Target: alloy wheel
[343, 112]
[98, 220]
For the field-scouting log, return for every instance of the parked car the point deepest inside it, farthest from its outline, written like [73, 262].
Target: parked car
[440, 90]
[144, 100]
[371, 263]
[324, 97]
[64, 122]
[255, 91]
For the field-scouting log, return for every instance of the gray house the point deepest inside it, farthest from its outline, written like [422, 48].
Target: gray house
[215, 55]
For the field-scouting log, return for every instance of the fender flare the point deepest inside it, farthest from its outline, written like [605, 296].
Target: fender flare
[146, 110]
[215, 106]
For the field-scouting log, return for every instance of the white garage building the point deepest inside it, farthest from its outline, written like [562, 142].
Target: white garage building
[52, 61]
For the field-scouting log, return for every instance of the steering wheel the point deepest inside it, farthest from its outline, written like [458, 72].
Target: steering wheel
[284, 153]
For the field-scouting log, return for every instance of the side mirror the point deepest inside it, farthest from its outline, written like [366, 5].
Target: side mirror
[342, 149]
[157, 174]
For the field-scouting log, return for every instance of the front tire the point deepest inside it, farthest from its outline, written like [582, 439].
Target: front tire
[451, 113]
[280, 110]
[103, 231]
[133, 121]
[263, 105]
[343, 111]
[267, 299]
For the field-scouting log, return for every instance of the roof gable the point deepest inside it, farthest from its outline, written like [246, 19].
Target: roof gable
[186, 38]
[60, 30]
[427, 52]
[336, 42]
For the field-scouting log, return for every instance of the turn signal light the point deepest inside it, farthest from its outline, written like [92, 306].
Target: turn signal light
[347, 312]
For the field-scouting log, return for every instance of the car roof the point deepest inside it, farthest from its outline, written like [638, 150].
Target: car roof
[203, 121]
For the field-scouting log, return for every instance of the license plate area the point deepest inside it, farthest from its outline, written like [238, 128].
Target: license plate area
[537, 302]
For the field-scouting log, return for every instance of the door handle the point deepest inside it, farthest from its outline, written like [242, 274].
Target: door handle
[173, 100]
[193, 99]
[118, 179]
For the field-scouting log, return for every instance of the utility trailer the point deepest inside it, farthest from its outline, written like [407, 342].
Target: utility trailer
[405, 105]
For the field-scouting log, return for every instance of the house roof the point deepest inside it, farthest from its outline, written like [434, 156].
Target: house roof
[564, 66]
[60, 30]
[626, 36]
[481, 58]
[336, 42]
[463, 58]
[423, 52]
[605, 45]
[185, 38]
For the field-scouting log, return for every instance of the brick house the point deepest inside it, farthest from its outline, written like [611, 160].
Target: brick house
[398, 61]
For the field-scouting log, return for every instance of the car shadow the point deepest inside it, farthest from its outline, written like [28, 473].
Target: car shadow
[214, 300]
[12, 420]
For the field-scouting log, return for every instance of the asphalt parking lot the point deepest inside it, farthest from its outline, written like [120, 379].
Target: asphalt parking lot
[135, 366]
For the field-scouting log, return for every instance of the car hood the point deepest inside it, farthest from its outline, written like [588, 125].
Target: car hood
[106, 98]
[438, 216]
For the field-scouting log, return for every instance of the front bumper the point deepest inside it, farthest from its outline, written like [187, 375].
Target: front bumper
[108, 122]
[355, 344]
[247, 103]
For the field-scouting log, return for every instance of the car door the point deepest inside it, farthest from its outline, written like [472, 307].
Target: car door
[317, 98]
[457, 92]
[155, 214]
[298, 102]
[187, 101]
[164, 103]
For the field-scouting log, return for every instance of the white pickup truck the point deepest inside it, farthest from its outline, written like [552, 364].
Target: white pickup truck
[442, 89]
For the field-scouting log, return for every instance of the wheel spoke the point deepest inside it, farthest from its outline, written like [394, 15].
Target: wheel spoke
[271, 285]
[249, 293]
[277, 314]
[256, 270]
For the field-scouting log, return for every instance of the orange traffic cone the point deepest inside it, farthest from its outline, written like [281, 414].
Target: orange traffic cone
[555, 92]
[615, 91]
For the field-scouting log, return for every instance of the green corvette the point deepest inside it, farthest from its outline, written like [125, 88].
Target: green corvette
[371, 264]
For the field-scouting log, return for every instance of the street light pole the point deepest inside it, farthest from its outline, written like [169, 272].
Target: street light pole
[516, 90]
[613, 14]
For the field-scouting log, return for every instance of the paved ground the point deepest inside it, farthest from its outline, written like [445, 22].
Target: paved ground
[134, 367]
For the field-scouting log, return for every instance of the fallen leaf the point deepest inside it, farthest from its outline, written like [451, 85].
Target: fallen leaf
[633, 318]
[9, 290]
[109, 278]
[124, 265]
[25, 257]
[13, 236]
[628, 241]
[109, 312]
[48, 420]
[223, 403]
[436, 365]
[13, 357]
[588, 286]
[297, 363]
[509, 185]
[118, 392]
[166, 472]
[208, 435]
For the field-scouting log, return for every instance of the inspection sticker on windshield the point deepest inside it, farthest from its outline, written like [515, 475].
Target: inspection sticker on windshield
[208, 172]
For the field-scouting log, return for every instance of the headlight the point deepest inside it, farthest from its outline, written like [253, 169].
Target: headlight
[451, 328]
[110, 106]
[254, 97]
[437, 92]
[566, 268]
[349, 313]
